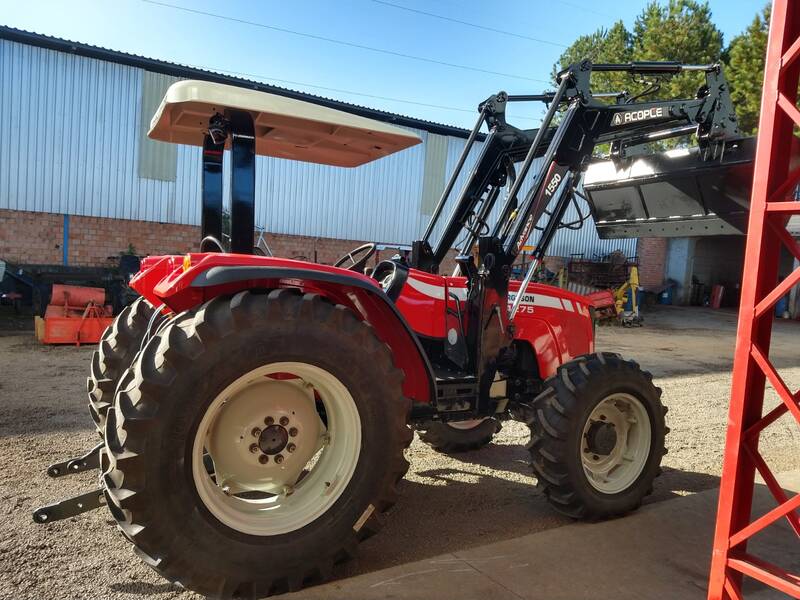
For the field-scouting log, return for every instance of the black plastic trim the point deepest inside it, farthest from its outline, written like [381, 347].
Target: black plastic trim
[400, 278]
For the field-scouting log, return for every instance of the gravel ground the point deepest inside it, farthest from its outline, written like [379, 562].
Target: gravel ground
[448, 503]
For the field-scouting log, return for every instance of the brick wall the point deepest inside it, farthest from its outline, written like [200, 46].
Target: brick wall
[314, 249]
[36, 238]
[30, 237]
[93, 239]
[652, 253]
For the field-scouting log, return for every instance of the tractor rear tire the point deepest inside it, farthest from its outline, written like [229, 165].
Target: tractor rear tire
[118, 346]
[597, 436]
[199, 533]
[451, 438]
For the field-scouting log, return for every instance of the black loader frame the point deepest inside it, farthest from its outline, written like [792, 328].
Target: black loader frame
[575, 123]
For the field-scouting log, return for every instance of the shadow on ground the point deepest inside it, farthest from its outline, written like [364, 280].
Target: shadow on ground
[446, 510]
[141, 588]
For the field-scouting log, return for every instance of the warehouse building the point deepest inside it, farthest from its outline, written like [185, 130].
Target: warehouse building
[81, 182]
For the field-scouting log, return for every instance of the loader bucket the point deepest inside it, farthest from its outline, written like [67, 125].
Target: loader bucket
[676, 193]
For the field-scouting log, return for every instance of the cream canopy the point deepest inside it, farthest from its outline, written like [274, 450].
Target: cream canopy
[284, 127]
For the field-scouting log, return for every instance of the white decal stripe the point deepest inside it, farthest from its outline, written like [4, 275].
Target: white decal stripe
[438, 292]
[430, 290]
[460, 293]
[548, 301]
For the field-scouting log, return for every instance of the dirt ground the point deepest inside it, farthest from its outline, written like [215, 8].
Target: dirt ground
[448, 503]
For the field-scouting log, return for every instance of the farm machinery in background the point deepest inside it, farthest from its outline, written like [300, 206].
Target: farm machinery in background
[254, 411]
[69, 304]
[612, 285]
[76, 315]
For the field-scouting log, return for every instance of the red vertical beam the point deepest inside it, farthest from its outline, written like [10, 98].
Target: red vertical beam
[760, 277]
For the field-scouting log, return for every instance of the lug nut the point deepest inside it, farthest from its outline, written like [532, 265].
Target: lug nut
[256, 432]
[291, 447]
[269, 421]
[293, 432]
[284, 421]
[263, 459]
[278, 458]
[254, 448]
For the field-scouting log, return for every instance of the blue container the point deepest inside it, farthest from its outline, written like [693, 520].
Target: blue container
[781, 306]
[629, 302]
[665, 297]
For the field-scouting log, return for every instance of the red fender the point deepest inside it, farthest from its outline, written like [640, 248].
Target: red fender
[182, 283]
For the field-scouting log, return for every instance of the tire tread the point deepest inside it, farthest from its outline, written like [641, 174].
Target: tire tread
[136, 412]
[550, 420]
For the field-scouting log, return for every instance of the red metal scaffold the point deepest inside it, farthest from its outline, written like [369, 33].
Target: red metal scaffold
[771, 206]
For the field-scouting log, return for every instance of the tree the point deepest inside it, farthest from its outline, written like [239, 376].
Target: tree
[604, 45]
[745, 62]
[681, 30]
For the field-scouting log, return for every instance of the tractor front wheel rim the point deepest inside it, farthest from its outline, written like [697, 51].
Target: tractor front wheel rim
[615, 444]
[276, 448]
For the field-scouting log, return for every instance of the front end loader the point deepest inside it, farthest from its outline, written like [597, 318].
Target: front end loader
[254, 411]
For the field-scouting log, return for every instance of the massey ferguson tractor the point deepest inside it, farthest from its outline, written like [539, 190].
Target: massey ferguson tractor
[254, 411]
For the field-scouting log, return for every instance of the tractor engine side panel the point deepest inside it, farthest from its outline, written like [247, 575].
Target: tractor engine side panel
[556, 323]
[422, 302]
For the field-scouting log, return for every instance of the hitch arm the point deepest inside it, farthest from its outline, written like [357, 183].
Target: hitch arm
[90, 460]
[69, 507]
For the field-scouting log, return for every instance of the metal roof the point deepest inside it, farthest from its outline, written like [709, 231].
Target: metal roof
[188, 72]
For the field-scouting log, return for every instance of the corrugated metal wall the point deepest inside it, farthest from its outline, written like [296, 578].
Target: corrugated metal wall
[72, 141]
[73, 145]
[378, 201]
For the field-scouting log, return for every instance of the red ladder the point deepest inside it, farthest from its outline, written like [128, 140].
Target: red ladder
[771, 206]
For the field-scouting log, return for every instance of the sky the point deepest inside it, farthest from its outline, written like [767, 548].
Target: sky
[386, 54]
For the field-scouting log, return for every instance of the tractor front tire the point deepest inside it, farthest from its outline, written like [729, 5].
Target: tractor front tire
[597, 436]
[118, 346]
[217, 410]
[452, 438]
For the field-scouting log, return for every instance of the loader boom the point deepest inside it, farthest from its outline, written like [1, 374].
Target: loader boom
[575, 123]
[585, 122]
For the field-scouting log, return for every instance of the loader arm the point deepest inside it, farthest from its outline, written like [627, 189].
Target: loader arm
[629, 127]
[554, 159]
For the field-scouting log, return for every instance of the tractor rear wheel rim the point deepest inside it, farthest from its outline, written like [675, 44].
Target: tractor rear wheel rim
[277, 466]
[615, 444]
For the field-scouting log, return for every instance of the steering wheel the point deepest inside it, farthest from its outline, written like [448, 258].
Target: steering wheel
[357, 261]
[392, 276]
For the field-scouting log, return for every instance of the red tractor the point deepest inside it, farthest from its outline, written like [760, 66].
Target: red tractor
[255, 410]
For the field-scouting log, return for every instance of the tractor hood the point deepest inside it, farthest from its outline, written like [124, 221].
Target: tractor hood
[284, 127]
